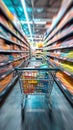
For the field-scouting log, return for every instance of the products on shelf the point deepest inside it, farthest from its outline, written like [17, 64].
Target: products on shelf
[59, 46]
[70, 54]
[17, 48]
[15, 63]
[67, 42]
[67, 66]
[5, 81]
[65, 19]
[3, 20]
[55, 53]
[55, 62]
[29, 81]
[35, 81]
[10, 37]
[66, 80]
[3, 32]
[5, 69]
[3, 58]
[4, 45]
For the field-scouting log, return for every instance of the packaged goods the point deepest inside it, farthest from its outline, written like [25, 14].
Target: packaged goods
[56, 45]
[67, 66]
[70, 54]
[32, 80]
[66, 80]
[3, 45]
[13, 39]
[11, 58]
[17, 48]
[3, 32]
[68, 42]
[15, 63]
[4, 21]
[4, 58]
[4, 82]
[67, 53]
[5, 69]
[56, 61]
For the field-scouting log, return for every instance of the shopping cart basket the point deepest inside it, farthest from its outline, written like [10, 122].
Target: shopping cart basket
[37, 81]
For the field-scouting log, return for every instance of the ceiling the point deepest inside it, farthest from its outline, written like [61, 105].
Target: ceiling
[39, 13]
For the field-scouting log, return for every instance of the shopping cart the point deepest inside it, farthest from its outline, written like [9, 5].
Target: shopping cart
[36, 81]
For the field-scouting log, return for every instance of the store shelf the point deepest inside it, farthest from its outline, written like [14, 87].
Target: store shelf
[6, 74]
[60, 16]
[12, 51]
[10, 71]
[62, 87]
[9, 62]
[61, 58]
[59, 48]
[7, 17]
[66, 20]
[62, 69]
[11, 42]
[69, 45]
[3, 93]
[4, 64]
[61, 36]
[20, 49]
[64, 90]
[66, 72]
[23, 62]
[6, 28]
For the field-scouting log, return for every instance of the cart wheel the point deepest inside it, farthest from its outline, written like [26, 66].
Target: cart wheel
[50, 111]
[22, 112]
[50, 107]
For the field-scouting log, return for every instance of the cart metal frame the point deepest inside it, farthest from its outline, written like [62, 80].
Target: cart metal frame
[51, 73]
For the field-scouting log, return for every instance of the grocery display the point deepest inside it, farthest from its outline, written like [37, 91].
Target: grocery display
[14, 48]
[66, 80]
[36, 82]
[38, 53]
[33, 81]
[59, 46]
[36, 64]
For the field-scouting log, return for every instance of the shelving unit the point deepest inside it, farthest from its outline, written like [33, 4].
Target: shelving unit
[9, 62]
[7, 29]
[58, 45]
[61, 47]
[61, 58]
[61, 36]
[14, 50]
[64, 8]
[11, 42]
[65, 91]
[8, 87]
[3, 9]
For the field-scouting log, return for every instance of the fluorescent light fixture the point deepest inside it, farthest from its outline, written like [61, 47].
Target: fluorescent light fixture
[35, 38]
[26, 15]
[36, 22]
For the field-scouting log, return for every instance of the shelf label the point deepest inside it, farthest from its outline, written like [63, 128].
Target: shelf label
[63, 86]
[67, 73]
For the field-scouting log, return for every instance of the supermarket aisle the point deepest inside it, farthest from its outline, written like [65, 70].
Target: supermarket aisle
[36, 117]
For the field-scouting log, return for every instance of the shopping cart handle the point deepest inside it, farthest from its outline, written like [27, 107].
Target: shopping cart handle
[43, 69]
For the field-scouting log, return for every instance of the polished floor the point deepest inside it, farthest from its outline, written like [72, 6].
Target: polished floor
[37, 116]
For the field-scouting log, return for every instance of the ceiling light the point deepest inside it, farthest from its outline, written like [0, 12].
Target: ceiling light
[36, 22]
[27, 19]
